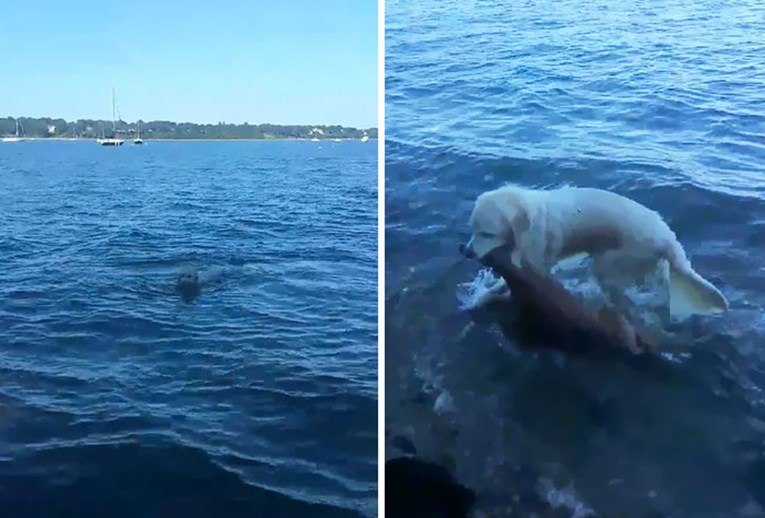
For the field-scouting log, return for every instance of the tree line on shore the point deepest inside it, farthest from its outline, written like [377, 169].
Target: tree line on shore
[87, 128]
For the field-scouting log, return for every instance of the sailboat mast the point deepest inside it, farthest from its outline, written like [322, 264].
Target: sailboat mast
[114, 111]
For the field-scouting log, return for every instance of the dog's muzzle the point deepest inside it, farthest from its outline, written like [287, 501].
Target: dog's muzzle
[467, 251]
[507, 246]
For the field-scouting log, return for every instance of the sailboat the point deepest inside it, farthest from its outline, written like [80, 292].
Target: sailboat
[113, 140]
[137, 141]
[18, 136]
[365, 137]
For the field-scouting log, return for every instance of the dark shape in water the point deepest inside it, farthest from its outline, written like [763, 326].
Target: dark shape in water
[188, 285]
[548, 316]
[404, 444]
[417, 488]
[129, 479]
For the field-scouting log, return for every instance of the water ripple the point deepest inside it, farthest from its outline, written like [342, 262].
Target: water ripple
[105, 370]
[660, 101]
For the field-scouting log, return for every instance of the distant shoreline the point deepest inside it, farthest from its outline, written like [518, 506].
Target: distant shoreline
[130, 140]
[47, 128]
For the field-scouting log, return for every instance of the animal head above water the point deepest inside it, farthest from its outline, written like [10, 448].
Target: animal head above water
[499, 217]
[187, 283]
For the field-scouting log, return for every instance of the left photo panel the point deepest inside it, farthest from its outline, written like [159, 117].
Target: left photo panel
[189, 274]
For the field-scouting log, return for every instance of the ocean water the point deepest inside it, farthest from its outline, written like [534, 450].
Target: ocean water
[257, 398]
[659, 101]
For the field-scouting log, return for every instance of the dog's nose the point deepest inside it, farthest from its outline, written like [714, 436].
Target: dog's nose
[466, 251]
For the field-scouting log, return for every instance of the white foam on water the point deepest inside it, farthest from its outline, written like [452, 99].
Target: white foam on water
[444, 403]
[476, 293]
[565, 498]
[570, 263]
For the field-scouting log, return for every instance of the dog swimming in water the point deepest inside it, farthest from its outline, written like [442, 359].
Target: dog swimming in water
[188, 284]
[626, 240]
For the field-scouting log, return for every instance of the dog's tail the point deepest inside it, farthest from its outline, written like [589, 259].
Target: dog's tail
[689, 292]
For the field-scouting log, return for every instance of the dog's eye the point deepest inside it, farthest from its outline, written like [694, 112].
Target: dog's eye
[486, 235]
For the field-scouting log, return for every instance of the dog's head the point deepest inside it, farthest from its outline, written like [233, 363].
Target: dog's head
[187, 283]
[499, 218]
[188, 277]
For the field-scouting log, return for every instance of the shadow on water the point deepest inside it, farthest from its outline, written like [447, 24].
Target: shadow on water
[634, 432]
[679, 414]
[131, 479]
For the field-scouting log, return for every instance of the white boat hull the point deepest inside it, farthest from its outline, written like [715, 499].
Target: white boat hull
[110, 141]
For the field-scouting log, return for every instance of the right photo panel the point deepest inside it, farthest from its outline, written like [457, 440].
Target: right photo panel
[574, 244]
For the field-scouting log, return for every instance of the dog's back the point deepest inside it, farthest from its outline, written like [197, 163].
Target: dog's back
[623, 223]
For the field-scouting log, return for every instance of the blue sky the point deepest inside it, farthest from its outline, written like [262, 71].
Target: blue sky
[280, 61]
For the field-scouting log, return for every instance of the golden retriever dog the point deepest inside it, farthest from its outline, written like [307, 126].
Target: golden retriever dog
[626, 241]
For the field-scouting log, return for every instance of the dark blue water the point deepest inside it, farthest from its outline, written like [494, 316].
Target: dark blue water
[661, 101]
[258, 398]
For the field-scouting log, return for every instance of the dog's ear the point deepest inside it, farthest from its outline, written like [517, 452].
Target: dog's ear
[521, 223]
[514, 227]
[518, 221]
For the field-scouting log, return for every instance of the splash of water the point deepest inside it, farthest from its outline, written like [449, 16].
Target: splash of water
[477, 292]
